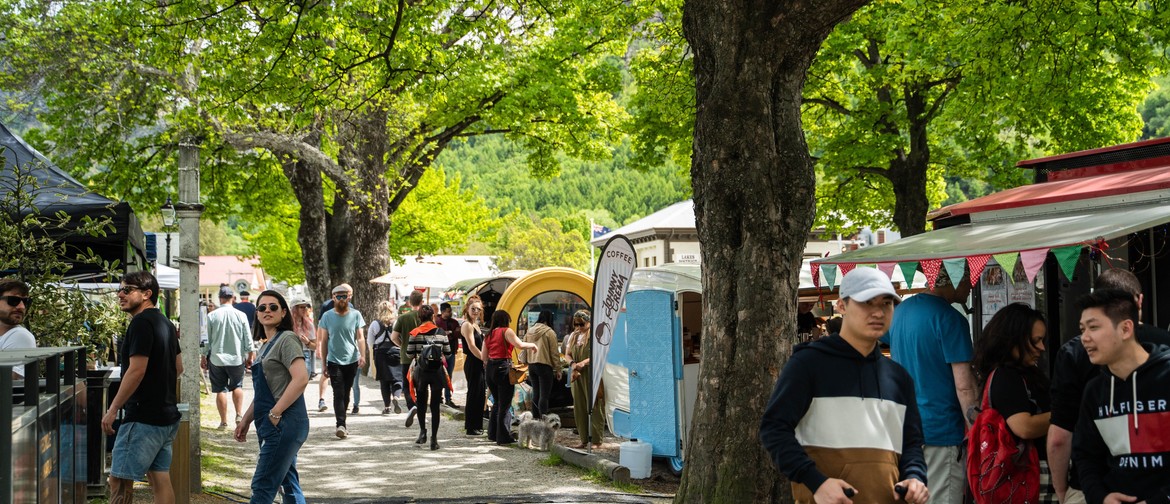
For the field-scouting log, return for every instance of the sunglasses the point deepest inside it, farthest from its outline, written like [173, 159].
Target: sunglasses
[475, 310]
[273, 307]
[126, 289]
[578, 324]
[15, 301]
[341, 297]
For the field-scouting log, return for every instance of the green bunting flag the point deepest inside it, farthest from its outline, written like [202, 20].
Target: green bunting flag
[908, 268]
[830, 271]
[1007, 261]
[955, 269]
[1067, 257]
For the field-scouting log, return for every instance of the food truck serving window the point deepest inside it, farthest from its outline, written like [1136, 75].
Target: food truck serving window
[562, 305]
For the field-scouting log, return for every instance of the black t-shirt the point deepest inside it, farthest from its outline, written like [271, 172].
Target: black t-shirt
[1021, 390]
[152, 335]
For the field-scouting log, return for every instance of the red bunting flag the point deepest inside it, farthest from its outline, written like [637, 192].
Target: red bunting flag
[975, 265]
[930, 268]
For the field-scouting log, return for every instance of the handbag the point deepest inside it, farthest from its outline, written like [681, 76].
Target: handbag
[518, 373]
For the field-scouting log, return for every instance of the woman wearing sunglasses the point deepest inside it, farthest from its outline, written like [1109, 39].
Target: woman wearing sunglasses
[279, 378]
[473, 367]
[580, 351]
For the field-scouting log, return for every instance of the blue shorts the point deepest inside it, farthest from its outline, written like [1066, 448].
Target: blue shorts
[141, 448]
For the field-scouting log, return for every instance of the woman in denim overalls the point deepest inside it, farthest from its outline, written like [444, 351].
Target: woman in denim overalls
[279, 378]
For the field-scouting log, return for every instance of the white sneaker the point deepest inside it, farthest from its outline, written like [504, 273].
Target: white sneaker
[321, 405]
[342, 432]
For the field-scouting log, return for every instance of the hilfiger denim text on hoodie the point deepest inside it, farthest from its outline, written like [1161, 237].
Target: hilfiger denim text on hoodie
[1122, 440]
[837, 413]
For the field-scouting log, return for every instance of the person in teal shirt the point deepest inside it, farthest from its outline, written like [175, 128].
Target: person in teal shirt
[343, 350]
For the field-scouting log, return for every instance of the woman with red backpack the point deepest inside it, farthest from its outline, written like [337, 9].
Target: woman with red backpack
[1005, 467]
[428, 346]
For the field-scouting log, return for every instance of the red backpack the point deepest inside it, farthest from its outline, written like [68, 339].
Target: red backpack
[1001, 468]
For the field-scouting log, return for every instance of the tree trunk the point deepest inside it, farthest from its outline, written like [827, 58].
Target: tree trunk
[366, 242]
[311, 235]
[908, 173]
[754, 205]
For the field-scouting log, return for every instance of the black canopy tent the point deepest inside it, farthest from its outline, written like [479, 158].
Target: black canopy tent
[60, 192]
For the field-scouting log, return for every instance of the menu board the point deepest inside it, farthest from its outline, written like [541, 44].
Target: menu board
[998, 290]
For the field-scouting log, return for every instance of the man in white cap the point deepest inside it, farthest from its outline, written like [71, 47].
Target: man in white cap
[810, 424]
[342, 350]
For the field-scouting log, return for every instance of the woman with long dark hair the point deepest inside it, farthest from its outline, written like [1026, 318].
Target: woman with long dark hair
[1005, 360]
[473, 366]
[429, 371]
[498, 348]
[278, 408]
[544, 365]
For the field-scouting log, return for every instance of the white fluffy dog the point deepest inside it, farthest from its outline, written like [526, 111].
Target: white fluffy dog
[541, 432]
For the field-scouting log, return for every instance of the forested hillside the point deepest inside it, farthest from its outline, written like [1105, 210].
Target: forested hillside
[610, 190]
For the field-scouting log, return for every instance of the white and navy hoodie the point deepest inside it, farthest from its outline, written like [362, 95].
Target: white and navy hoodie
[1122, 441]
[836, 413]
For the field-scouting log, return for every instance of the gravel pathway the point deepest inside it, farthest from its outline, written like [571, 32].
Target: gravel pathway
[380, 463]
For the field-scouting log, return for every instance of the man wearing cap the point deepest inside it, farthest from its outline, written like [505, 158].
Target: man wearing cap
[14, 303]
[932, 340]
[227, 353]
[831, 386]
[342, 350]
[247, 308]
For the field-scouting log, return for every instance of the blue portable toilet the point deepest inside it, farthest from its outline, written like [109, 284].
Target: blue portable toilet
[652, 372]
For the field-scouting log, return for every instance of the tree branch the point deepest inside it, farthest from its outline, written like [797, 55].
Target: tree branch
[830, 104]
[287, 145]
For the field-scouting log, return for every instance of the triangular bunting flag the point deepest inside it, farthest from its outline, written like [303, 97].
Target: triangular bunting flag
[908, 270]
[830, 274]
[815, 269]
[1032, 260]
[975, 265]
[930, 267]
[1067, 258]
[955, 269]
[1007, 261]
[887, 268]
[846, 268]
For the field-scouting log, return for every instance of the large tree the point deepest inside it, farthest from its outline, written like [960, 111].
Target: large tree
[350, 101]
[908, 93]
[754, 203]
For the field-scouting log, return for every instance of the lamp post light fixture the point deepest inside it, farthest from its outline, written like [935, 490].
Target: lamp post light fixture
[168, 216]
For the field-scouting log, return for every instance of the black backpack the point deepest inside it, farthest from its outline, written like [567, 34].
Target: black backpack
[431, 358]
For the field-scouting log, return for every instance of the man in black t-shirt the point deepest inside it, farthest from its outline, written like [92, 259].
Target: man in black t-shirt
[1069, 377]
[151, 365]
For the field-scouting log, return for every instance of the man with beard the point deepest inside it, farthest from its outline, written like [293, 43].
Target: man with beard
[342, 350]
[14, 303]
[150, 362]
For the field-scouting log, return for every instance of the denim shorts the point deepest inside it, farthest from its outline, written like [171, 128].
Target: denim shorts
[141, 448]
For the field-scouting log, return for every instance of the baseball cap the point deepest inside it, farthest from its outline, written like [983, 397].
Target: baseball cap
[342, 288]
[299, 300]
[226, 292]
[864, 283]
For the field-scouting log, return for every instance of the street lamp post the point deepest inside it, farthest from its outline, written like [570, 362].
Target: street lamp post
[168, 216]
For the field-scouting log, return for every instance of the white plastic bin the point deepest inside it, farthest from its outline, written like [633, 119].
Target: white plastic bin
[635, 455]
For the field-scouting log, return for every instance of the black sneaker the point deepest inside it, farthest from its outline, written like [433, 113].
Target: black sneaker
[451, 404]
[397, 408]
[355, 410]
[410, 417]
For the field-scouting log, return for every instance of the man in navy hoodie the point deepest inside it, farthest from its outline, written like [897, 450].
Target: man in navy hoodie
[843, 420]
[1121, 446]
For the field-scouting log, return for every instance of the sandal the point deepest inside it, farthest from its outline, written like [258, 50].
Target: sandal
[580, 446]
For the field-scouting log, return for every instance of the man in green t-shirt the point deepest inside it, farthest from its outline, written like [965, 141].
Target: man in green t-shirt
[407, 322]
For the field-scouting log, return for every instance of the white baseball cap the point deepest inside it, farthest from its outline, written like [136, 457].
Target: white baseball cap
[864, 283]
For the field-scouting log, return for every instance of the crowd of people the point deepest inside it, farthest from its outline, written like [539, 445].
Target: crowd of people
[845, 423]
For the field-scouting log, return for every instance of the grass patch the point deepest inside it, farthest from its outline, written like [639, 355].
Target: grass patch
[598, 477]
[552, 460]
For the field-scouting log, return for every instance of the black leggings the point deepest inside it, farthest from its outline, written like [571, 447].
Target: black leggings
[473, 413]
[429, 389]
[502, 391]
[541, 377]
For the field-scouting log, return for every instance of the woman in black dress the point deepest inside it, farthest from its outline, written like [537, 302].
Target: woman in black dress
[473, 366]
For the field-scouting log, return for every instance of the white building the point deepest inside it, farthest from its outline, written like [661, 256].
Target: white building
[669, 236]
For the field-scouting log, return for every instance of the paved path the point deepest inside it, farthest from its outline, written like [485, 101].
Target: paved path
[379, 462]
